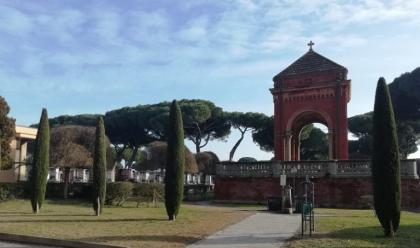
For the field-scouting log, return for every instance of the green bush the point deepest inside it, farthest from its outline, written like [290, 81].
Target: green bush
[75, 190]
[117, 193]
[147, 190]
[247, 160]
[10, 191]
[5, 194]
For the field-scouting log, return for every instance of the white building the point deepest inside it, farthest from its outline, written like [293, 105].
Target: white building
[19, 154]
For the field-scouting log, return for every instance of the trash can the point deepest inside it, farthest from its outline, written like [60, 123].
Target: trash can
[274, 203]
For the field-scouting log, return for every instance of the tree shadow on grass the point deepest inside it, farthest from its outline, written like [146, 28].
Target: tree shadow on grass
[81, 220]
[407, 236]
[28, 214]
[69, 202]
[14, 213]
[157, 238]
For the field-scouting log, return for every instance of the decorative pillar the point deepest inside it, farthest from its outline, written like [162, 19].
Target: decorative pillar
[297, 152]
[287, 146]
[292, 149]
[295, 147]
[22, 156]
[331, 144]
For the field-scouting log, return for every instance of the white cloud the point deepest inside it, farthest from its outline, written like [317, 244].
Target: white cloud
[107, 26]
[151, 28]
[195, 31]
[14, 21]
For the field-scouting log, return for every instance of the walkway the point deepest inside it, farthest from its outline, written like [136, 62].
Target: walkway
[4, 244]
[261, 230]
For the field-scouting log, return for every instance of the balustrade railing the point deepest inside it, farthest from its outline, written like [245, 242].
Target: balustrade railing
[248, 169]
[353, 168]
[331, 168]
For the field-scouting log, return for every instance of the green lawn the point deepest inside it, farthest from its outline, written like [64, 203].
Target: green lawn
[358, 228]
[128, 225]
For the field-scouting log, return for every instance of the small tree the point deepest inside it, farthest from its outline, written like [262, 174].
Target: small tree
[7, 132]
[99, 168]
[174, 174]
[73, 147]
[385, 162]
[244, 122]
[39, 172]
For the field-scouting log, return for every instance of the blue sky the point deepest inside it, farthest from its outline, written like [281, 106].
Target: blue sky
[77, 57]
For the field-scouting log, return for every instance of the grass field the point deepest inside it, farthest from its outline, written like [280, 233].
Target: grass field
[128, 225]
[358, 228]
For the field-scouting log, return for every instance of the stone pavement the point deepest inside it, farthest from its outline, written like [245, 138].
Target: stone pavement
[261, 230]
[4, 244]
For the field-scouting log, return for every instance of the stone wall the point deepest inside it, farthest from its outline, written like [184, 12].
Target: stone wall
[329, 192]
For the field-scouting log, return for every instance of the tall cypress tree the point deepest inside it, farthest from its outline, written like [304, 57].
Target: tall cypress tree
[99, 168]
[385, 162]
[39, 172]
[174, 174]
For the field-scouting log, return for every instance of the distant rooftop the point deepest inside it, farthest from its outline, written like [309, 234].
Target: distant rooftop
[25, 132]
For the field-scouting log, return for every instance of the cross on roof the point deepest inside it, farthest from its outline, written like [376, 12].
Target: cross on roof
[310, 44]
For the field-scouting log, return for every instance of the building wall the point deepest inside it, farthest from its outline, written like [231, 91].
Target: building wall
[8, 176]
[18, 153]
[329, 192]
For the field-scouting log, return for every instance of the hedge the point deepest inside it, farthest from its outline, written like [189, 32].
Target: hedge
[118, 192]
[10, 191]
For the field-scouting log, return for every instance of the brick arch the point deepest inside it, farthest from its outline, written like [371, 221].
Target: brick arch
[312, 89]
[316, 115]
[299, 121]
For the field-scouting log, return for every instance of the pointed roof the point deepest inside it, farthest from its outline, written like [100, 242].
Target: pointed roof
[310, 62]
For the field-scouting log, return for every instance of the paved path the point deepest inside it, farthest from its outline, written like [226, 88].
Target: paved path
[261, 230]
[16, 245]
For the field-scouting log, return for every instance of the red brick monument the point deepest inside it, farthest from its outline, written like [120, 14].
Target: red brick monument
[312, 89]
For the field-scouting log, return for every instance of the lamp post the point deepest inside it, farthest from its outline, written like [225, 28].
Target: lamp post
[294, 171]
[283, 184]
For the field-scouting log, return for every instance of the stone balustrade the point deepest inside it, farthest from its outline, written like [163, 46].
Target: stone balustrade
[254, 169]
[313, 169]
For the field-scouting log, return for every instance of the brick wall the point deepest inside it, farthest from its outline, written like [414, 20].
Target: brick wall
[329, 192]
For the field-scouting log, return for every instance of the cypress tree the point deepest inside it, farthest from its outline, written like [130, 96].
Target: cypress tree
[39, 172]
[385, 162]
[99, 168]
[174, 173]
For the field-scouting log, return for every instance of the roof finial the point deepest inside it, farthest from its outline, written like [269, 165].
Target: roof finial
[310, 44]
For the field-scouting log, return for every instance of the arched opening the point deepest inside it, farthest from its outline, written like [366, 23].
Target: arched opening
[314, 145]
[309, 137]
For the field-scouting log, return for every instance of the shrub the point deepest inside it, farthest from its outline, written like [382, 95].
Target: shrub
[7, 132]
[367, 201]
[10, 191]
[75, 190]
[206, 162]
[148, 190]
[117, 193]
[247, 160]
